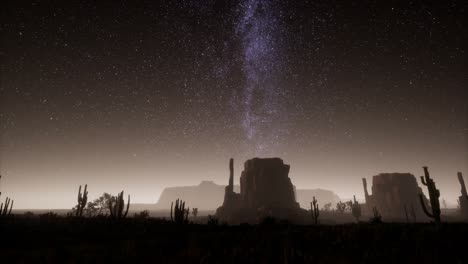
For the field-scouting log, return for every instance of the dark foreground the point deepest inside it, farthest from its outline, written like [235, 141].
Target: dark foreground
[65, 240]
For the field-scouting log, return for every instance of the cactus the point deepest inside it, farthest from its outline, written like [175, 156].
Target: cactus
[377, 218]
[340, 207]
[187, 212]
[116, 207]
[5, 208]
[434, 195]
[179, 215]
[82, 200]
[356, 209]
[194, 212]
[314, 210]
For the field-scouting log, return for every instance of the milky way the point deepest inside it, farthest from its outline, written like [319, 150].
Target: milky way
[258, 30]
[141, 95]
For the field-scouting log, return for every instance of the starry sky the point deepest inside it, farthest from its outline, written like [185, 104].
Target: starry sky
[148, 94]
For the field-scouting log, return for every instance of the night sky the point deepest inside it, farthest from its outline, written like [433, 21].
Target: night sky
[140, 96]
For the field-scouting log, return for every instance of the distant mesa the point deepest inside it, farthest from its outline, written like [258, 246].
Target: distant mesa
[207, 196]
[265, 190]
[394, 195]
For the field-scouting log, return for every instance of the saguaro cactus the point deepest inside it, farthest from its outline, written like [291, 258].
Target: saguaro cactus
[5, 208]
[180, 215]
[82, 200]
[116, 207]
[356, 209]
[434, 195]
[314, 210]
[194, 212]
[340, 207]
[377, 218]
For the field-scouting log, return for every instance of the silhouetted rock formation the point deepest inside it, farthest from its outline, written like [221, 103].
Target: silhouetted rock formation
[205, 196]
[231, 199]
[266, 190]
[391, 192]
[463, 198]
[265, 183]
[208, 196]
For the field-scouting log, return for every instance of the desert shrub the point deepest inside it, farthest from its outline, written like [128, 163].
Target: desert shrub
[212, 220]
[376, 218]
[48, 217]
[142, 215]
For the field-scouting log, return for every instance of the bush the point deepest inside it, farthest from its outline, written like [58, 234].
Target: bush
[141, 215]
[212, 220]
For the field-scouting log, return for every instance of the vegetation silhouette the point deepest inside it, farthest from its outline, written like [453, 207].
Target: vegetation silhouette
[82, 201]
[6, 207]
[314, 210]
[116, 207]
[89, 233]
[180, 215]
[434, 195]
[355, 209]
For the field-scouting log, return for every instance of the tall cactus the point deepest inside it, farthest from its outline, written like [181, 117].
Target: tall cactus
[356, 209]
[82, 200]
[5, 208]
[314, 210]
[116, 208]
[434, 195]
[179, 215]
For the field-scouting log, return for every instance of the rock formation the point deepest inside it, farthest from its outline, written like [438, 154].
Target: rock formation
[463, 198]
[265, 190]
[393, 194]
[205, 196]
[208, 196]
